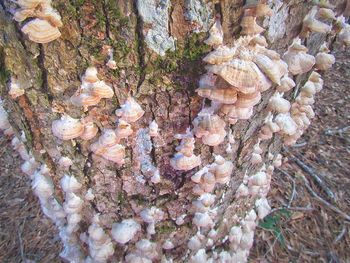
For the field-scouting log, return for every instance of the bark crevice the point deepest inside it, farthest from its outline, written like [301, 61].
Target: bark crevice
[140, 46]
[44, 74]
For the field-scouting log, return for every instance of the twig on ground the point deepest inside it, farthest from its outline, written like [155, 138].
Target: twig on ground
[21, 241]
[339, 131]
[340, 236]
[293, 189]
[302, 144]
[330, 206]
[310, 171]
[273, 244]
[296, 208]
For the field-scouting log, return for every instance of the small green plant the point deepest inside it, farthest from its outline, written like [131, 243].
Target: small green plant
[273, 223]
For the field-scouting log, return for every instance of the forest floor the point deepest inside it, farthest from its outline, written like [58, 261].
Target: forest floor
[301, 228]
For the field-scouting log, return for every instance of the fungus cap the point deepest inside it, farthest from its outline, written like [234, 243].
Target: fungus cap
[90, 131]
[124, 231]
[40, 31]
[130, 111]
[67, 128]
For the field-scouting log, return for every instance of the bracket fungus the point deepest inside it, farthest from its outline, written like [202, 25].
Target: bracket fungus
[278, 103]
[5, 125]
[216, 35]
[185, 159]
[203, 203]
[326, 13]
[152, 216]
[123, 130]
[286, 84]
[206, 178]
[130, 111]
[41, 31]
[237, 75]
[210, 128]
[100, 244]
[92, 90]
[222, 169]
[65, 162]
[297, 59]
[124, 231]
[312, 24]
[44, 27]
[257, 9]
[344, 34]
[256, 157]
[301, 110]
[107, 147]
[250, 26]
[146, 252]
[67, 128]
[90, 130]
[263, 207]
[324, 61]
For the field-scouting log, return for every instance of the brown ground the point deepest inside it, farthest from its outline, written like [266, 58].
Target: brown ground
[308, 231]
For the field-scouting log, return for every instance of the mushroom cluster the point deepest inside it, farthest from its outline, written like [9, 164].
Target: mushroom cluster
[92, 90]
[242, 237]
[72, 206]
[298, 60]
[237, 75]
[256, 157]
[210, 128]
[313, 21]
[130, 111]
[324, 60]
[125, 231]
[100, 244]
[146, 252]
[185, 159]
[68, 128]
[204, 216]
[344, 34]
[301, 110]
[206, 178]
[108, 147]
[151, 216]
[44, 27]
[65, 217]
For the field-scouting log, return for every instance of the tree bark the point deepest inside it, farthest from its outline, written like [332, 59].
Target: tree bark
[165, 88]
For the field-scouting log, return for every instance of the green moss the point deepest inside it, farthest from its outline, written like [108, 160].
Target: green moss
[195, 48]
[121, 198]
[67, 9]
[191, 50]
[4, 75]
[32, 96]
[184, 59]
[140, 199]
[165, 227]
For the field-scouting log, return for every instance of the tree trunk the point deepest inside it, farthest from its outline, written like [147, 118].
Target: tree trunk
[163, 84]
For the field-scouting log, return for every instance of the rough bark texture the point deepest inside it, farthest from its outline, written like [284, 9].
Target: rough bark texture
[164, 86]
